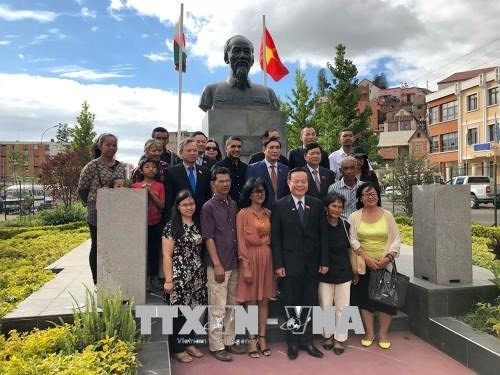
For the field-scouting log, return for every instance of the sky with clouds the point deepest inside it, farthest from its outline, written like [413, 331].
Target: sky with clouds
[117, 54]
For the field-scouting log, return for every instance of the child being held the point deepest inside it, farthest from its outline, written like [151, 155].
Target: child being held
[149, 169]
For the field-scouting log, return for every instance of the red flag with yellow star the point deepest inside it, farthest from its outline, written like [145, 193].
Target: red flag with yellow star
[274, 66]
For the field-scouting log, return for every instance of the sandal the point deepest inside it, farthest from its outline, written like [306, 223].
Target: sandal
[252, 344]
[328, 343]
[338, 347]
[193, 351]
[266, 352]
[183, 357]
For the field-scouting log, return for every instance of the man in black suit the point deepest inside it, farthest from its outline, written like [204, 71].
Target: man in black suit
[296, 156]
[259, 156]
[187, 175]
[237, 168]
[271, 171]
[201, 143]
[319, 178]
[300, 253]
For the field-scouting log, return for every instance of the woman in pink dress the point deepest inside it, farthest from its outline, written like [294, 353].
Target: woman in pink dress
[256, 282]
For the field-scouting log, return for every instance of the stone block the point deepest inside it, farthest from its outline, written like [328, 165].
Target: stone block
[248, 124]
[122, 242]
[441, 234]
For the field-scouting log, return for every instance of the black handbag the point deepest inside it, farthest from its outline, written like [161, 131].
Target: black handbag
[388, 287]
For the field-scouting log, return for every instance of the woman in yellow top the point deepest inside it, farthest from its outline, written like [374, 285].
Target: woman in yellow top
[375, 236]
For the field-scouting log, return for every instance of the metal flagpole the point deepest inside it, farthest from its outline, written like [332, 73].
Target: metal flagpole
[181, 52]
[263, 46]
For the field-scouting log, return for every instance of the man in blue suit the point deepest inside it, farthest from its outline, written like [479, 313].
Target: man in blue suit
[271, 171]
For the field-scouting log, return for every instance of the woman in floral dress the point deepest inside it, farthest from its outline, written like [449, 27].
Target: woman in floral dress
[185, 277]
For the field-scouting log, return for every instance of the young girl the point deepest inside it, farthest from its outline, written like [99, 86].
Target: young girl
[153, 149]
[156, 203]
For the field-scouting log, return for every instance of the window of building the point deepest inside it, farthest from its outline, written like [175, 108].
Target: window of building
[435, 144]
[434, 115]
[449, 111]
[408, 98]
[491, 133]
[493, 96]
[405, 125]
[450, 141]
[472, 136]
[418, 147]
[392, 126]
[472, 102]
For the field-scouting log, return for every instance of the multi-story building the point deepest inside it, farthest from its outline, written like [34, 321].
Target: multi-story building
[24, 159]
[461, 123]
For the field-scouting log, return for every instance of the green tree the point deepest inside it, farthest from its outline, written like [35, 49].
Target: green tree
[83, 133]
[64, 133]
[409, 171]
[323, 84]
[380, 80]
[340, 109]
[299, 108]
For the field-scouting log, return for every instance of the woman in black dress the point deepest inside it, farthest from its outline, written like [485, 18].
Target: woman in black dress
[335, 285]
[185, 276]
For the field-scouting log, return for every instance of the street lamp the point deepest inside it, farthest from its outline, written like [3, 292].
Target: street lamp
[43, 148]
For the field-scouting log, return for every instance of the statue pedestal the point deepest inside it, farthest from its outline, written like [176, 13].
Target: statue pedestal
[248, 124]
[441, 234]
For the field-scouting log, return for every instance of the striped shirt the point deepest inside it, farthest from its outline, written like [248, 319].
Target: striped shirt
[349, 194]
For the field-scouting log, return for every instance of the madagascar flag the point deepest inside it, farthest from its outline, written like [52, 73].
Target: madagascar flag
[275, 67]
[177, 48]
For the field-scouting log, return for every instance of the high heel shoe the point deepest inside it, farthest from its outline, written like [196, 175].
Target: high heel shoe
[266, 352]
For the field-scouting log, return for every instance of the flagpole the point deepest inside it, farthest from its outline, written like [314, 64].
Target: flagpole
[263, 46]
[181, 52]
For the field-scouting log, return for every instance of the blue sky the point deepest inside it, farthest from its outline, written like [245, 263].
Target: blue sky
[117, 54]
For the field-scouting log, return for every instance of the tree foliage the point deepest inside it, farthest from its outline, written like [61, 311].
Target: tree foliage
[409, 171]
[64, 133]
[380, 80]
[83, 133]
[340, 109]
[299, 108]
[62, 172]
[323, 84]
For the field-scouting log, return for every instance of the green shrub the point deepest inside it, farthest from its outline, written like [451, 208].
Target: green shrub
[485, 317]
[115, 320]
[402, 219]
[63, 215]
[484, 231]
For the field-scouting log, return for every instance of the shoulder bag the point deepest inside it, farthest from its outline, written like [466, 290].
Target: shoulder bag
[388, 287]
[357, 261]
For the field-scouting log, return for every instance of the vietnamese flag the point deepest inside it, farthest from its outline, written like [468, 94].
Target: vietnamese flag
[177, 48]
[274, 67]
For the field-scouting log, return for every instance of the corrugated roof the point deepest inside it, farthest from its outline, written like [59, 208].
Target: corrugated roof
[399, 138]
[462, 76]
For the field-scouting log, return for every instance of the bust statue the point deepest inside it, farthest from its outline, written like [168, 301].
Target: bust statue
[237, 90]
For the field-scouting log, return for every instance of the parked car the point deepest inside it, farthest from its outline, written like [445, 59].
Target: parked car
[27, 197]
[481, 189]
[391, 191]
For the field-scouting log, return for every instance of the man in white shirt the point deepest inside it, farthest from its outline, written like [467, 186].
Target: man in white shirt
[347, 186]
[336, 157]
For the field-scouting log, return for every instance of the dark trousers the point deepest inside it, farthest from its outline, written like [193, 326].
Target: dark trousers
[93, 252]
[176, 342]
[300, 290]
[154, 246]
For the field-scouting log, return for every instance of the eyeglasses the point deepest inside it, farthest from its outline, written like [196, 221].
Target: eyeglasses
[211, 148]
[371, 195]
[259, 191]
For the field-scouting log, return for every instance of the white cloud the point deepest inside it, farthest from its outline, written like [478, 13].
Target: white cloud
[87, 13]
[158, 57]
[145, 36]
[9, 14]
[92, 75]
[417, 37]
[5, 42]
[94, 28]
[130, 113]
[21, 56]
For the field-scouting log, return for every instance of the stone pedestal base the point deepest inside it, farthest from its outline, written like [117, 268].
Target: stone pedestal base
[441, 233]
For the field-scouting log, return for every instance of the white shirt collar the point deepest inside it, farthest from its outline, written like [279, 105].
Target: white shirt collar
[269, 164]
[296, 201]
[311, 169]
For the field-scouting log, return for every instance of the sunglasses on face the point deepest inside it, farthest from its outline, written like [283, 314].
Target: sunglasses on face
[211, 148]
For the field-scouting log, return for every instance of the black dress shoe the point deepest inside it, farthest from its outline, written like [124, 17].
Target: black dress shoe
[312, 350]
[292, 352]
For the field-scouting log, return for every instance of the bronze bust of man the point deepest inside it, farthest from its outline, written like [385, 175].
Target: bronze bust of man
[237, 90]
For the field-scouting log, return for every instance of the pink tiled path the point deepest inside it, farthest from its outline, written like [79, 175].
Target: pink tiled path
[408, 355]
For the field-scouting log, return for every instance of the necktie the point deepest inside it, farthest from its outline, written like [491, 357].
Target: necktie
[300, 210]
[192, 180]
[316, 179]
[274, 180]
